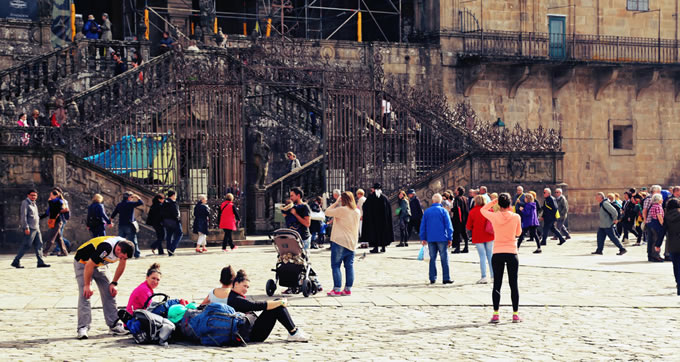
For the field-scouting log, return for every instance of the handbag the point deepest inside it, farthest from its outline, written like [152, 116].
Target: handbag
[557, 214]
[488, 227]
[318, 216]
[135, 224]
[397, 211]
[51, 223]
[421, 253]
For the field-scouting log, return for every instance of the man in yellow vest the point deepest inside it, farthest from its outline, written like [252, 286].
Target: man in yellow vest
[91, 262]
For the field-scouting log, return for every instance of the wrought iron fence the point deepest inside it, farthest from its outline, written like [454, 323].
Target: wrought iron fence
[576, 47]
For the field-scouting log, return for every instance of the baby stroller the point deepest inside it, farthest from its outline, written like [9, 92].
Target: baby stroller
[293, 269]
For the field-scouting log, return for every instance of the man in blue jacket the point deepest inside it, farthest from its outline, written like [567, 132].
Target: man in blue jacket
[127, 227]
[436, 231]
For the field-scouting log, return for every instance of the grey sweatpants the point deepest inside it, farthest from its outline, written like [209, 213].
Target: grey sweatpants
[99, 275]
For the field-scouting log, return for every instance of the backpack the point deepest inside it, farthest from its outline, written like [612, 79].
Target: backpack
[218, 325]
[147, 327]
[618, 209]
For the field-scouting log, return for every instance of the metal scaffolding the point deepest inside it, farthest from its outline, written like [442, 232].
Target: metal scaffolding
[308, 19]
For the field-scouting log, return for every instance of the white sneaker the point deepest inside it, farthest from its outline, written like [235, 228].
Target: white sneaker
[299, 336]
[82, 333]
[482, 281]
[118, 330]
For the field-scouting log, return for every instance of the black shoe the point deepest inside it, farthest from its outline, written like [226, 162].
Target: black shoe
[314, 246]
[43, 265]
[374, 250]
[562, 241]
[406, 244]
[382, 250]
[447, 282]
[455, 251]
[464, 251]
[568, 237]
[432, 282]
[170, 253]
[543, 243]
[655, 260]
[161, 253]
[622, 251]
[400, 245]
[538, 251]
[17, 265]
[596, 252]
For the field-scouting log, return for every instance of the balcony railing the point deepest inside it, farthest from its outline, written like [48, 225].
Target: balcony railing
[570, 47]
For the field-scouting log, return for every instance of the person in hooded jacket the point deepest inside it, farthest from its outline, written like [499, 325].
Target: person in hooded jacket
[672, 224]
[155, 220]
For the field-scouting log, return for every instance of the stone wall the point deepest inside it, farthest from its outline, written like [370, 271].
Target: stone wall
[22, 169]
[596, 17]
[21, 40]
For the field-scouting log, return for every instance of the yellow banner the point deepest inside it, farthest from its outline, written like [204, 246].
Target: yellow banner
[146, 23]
[359, 27]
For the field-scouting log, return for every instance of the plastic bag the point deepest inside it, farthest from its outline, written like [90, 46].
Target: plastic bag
[421, 254]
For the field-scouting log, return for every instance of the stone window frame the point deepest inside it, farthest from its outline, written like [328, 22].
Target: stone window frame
[637, 5]
[610, 139]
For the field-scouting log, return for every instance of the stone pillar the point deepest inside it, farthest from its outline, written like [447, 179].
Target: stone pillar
[257, 208]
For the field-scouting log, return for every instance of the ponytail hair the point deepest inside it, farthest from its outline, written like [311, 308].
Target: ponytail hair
[154, 268]
[241, 276]
[227, 276]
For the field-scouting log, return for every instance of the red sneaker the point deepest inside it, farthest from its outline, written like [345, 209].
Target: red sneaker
[333, 293]
[346, 292]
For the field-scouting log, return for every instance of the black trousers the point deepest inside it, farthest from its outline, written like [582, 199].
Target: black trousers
[265, 323]
[227, 239]
[498, 263]
[160, 236]
[533, 234]
[459, 233]
[550, 226]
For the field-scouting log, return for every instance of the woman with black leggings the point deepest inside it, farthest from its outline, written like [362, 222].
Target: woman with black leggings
[234, 287]
[507, 225]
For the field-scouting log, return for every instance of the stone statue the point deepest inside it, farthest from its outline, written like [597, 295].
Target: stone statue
[260, 159]
[207, 9]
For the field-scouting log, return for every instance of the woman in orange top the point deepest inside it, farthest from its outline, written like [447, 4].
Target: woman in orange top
[507, 226]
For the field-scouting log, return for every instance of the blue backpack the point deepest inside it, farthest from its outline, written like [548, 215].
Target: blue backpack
[217, 325]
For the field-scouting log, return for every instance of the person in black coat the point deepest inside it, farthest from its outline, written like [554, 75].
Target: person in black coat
[155, 220]
[416, 212]
[201, 223]
[459, 216]
[171, 222]
[377, 223]
[549, 216]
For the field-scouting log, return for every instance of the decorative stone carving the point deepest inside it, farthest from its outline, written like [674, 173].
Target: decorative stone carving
[517, 76]
[603, 78]
[644, 78]
[560, 77]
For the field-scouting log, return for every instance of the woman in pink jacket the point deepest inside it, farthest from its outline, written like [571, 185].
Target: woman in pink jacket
[142, 293]
[507, 226]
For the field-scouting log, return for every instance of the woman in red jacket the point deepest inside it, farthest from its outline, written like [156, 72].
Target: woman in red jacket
[481, 239]
[228, 220]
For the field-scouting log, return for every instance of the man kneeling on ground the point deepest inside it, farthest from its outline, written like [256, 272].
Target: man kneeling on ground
[91, 262]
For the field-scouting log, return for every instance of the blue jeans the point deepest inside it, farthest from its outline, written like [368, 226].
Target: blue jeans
[173, 236]
[57, 249]
[340, 255]
[34, 239]
[128, 231]
[439, 247]
[485, 253]
[602, 233]
[307, 242]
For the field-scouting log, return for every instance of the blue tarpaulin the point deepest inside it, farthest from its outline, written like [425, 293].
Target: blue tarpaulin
[136, 156]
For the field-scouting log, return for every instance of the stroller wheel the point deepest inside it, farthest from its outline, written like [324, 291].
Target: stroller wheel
[306, 287]
[271, 287]
[314, 289]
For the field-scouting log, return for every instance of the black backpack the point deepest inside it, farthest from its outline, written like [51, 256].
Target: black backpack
[618, 209]
[93, 221]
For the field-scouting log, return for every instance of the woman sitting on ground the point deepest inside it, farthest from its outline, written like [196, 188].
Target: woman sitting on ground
[142, 293]
[233, 292]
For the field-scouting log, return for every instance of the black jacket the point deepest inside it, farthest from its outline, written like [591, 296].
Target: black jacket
[672, 223]
[201, 218]
[549, 209]
[170, 210]
[154, 217]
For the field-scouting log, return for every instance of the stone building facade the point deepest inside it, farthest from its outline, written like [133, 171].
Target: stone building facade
[616, 105]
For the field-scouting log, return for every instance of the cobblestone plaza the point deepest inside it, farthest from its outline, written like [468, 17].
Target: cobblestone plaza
[574, 306]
